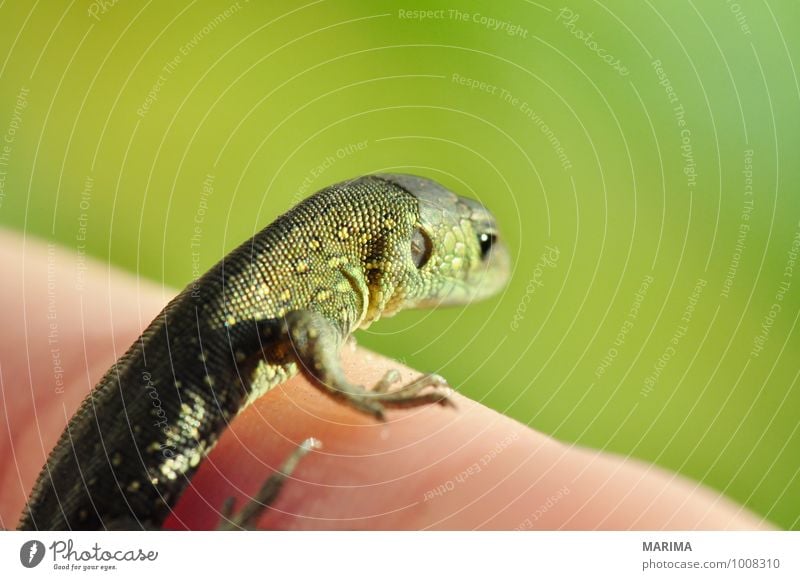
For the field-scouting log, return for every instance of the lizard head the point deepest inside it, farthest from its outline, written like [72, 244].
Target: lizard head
[455, 254]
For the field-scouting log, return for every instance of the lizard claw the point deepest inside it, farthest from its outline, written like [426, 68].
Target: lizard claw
[391, 377]
[411, 395]
[371, 406]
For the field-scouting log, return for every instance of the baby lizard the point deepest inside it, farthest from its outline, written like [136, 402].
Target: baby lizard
[281, 303]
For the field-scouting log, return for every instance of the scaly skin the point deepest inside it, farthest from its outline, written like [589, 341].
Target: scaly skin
[284, 301]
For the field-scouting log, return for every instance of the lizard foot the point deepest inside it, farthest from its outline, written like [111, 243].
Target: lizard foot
[382, 395]
[247, 517]
[410, 395]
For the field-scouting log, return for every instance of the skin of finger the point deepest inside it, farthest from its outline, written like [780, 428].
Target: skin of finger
[428, 467]
[66, 319]
[435, 468]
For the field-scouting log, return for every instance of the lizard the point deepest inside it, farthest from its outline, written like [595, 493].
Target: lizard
[283, 302]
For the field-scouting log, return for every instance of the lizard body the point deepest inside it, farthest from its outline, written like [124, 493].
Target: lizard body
[282, 302]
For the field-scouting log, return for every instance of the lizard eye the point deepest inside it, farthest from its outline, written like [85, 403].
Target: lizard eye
[421, 247]
[486, 241]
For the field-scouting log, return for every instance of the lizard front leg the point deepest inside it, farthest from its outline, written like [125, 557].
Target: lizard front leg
[315, 343]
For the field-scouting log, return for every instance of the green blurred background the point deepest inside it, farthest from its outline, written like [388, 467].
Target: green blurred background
[642, 158]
